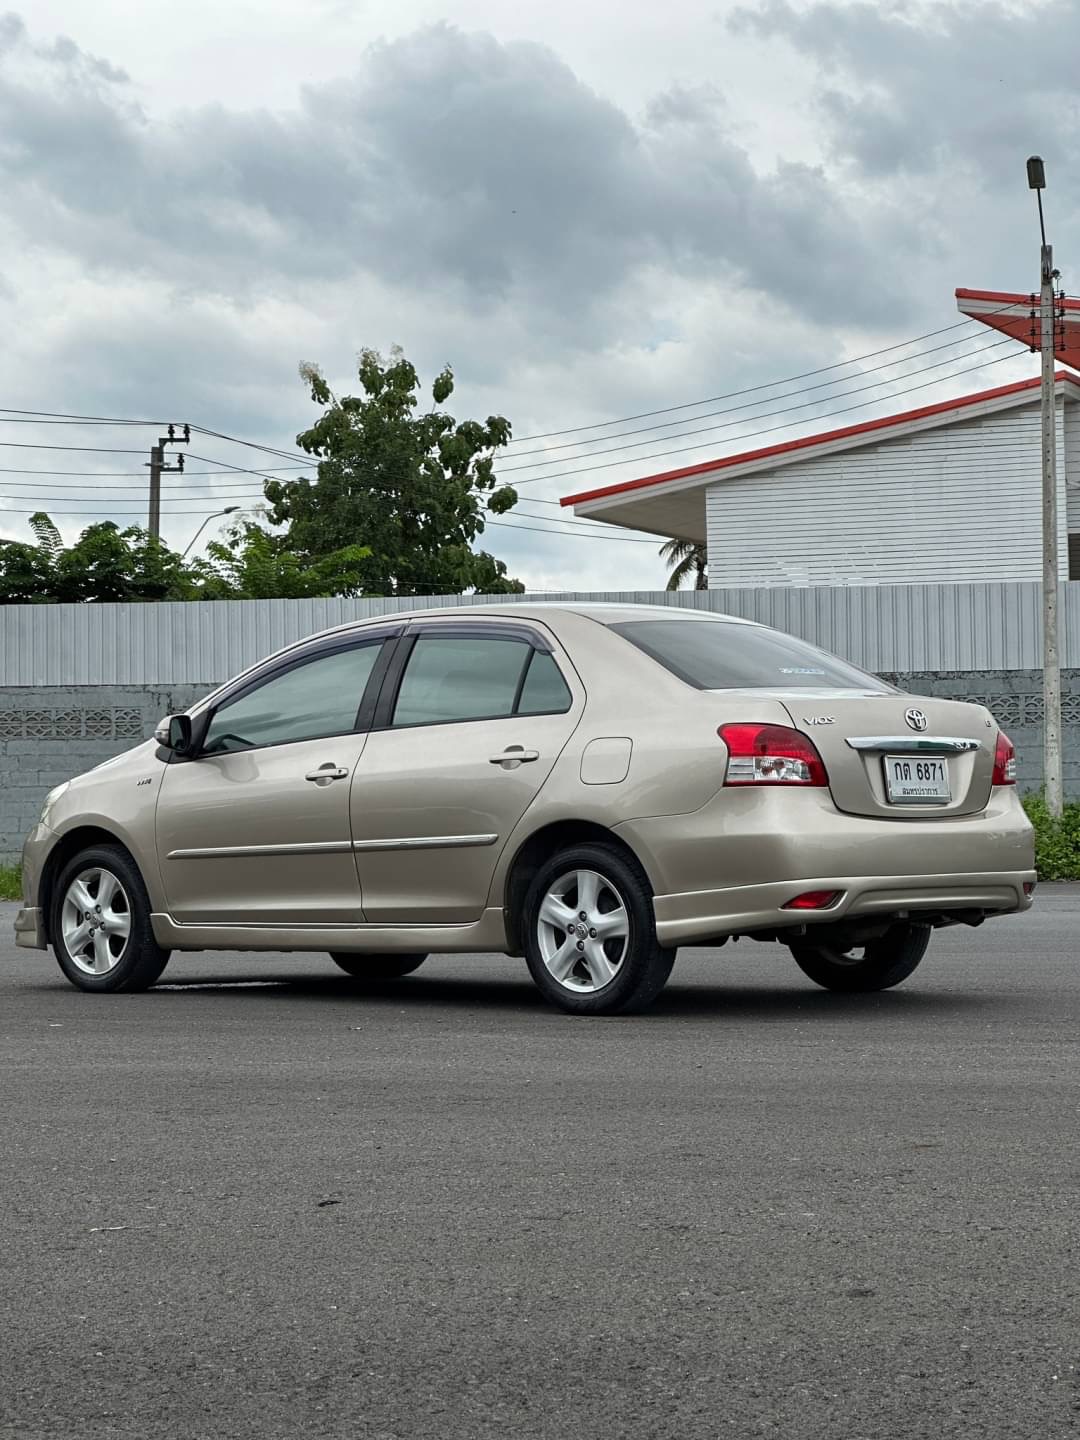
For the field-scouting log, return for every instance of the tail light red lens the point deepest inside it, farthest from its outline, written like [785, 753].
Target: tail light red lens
[813, 900]
[1004, 761]
[771, 755]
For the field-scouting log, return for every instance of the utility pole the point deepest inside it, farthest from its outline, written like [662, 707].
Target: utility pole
[1052, 776]
[158, 468]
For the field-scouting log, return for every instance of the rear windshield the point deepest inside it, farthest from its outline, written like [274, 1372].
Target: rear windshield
[713, 655]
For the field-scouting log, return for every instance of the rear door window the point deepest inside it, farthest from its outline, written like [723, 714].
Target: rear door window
[545, 692]
[460, 677]
[452, 678]
[718, 655]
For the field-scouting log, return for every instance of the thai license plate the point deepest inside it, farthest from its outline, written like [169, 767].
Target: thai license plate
[917, 780]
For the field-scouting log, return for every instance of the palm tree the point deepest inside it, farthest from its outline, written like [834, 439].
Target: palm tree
[687, 560]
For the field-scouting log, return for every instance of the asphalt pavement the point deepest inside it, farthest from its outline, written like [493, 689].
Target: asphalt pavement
[259, 1201]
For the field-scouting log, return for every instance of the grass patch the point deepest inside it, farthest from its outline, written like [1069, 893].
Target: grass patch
[10, 882]
[1057, 842]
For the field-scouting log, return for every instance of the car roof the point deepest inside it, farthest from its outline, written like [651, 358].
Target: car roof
[603, 612]
[606, 612]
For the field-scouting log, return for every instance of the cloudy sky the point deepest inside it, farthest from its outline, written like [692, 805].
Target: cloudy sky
[591, 210]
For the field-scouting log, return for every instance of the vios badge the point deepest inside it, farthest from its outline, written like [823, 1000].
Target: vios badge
[916, 719]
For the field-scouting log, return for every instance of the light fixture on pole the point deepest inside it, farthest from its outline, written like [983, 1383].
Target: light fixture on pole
[215, 516]
[1052, 768]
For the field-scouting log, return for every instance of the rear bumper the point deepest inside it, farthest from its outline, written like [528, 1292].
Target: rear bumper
[731, 866]
[701, 915]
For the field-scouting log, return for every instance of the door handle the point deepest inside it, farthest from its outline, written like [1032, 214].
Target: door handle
[513, 756]
[327, 773]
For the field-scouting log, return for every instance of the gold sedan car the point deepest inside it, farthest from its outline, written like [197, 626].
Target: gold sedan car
[590, 786]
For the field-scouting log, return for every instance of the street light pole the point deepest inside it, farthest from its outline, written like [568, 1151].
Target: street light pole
[1052, 768]
[215, 516]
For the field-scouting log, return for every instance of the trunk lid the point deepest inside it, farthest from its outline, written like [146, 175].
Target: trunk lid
[855, 732]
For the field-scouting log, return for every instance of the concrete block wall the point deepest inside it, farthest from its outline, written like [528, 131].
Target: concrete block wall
[48, 734]
[1014, 698]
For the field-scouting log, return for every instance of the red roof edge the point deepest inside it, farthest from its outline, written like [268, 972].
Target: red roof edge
[1005, 297]
[806, 442]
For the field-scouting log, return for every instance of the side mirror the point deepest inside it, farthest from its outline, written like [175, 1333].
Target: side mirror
[174, 733]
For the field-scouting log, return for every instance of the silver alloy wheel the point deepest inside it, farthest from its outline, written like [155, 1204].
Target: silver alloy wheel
[95, 921]
[583, 930]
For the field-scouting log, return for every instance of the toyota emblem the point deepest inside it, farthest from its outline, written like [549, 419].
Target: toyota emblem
[916, 719]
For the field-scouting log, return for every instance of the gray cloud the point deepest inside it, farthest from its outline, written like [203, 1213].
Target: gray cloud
[478, 202]
[447, 158]
[913, 89]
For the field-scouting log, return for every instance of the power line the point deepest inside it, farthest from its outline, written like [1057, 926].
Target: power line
[578, 534]
[141, 484]
[284, 454]
[106, 511]
[803, 390]
[76, 418]
[956, 464]
[110, 484]
[249, 444]
[264, 475]
[88, 419]
[770, 429]
[600, 528]
[766, 414]
[126, 501]
[84, 449]
[509, 524]
[569, 473]
[6, 419]
[754, 389]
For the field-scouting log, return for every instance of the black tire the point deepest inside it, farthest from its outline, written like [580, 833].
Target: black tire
[376, 967]
[139, 958]
[878, 965]
[643, 963]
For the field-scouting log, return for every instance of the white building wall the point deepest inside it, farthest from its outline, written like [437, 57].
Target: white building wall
[960, 502]
[1071, 449]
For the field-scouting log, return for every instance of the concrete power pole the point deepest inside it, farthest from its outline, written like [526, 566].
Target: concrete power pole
[158, 468]
[1052, 767]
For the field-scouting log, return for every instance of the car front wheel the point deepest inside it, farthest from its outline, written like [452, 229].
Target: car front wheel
[878, 965]
[100, 928]
[590, 933]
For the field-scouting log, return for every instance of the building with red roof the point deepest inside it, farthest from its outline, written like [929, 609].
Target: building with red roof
[945, 492]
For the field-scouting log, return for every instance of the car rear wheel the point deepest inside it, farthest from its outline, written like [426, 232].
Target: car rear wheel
[100, 924]
[376, 967]
[878, 965]
[590, 933]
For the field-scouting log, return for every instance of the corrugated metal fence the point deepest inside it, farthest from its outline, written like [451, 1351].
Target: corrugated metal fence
[892, 628]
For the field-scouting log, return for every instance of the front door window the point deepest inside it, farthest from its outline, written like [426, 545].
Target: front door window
[320, 697]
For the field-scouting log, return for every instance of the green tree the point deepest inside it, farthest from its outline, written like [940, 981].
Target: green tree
[688, 561]
[253, 564]
[413, 488]
[105, 563]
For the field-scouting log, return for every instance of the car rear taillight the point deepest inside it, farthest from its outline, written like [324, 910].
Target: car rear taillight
[1004, 761]
[771, 755]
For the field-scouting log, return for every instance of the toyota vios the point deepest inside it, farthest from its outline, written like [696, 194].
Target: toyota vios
[590, 786]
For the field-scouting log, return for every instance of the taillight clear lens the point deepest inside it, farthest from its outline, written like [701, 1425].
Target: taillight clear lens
[771, 755]
[1004, 761]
